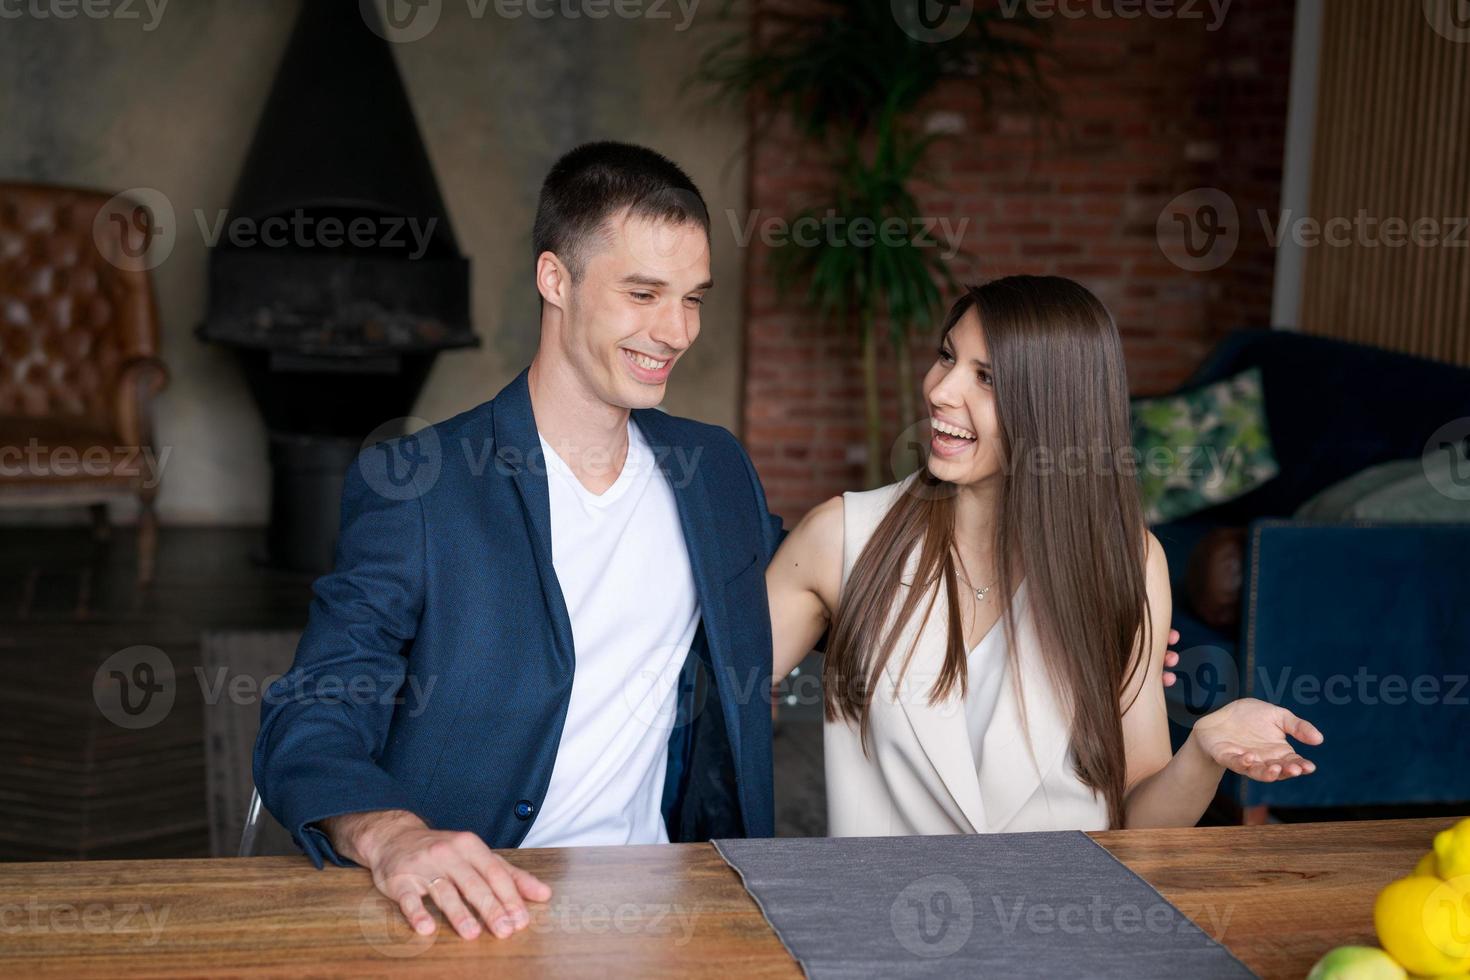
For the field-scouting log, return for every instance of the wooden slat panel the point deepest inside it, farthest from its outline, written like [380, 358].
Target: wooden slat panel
[1393, 123]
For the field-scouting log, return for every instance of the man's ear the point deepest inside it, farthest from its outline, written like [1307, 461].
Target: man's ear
[553, 280]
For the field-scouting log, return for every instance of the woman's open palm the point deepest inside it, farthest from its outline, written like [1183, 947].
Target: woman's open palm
[1249, 737]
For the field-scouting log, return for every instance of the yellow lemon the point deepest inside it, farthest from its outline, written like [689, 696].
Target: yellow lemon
[1424, 923]
[1357, 963]
[1428, 865]
[1452, 850]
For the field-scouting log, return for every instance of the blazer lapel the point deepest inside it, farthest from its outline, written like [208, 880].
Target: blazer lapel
[696, 520]
[518, 452]
[1018, 752]
[940, 728]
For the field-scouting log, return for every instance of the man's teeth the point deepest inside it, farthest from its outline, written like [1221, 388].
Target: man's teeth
[951, 430]
[646, 362]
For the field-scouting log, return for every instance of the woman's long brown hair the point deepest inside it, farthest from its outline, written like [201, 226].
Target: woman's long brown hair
[1069, 523]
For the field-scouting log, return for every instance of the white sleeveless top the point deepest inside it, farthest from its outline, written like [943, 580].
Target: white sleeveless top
[923, 774]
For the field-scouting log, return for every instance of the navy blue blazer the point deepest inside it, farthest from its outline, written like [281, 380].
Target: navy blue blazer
[436, 666]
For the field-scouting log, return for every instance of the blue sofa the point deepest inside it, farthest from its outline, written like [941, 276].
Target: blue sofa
[1362, 628]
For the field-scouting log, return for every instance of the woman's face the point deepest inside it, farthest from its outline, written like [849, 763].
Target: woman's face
[964, 432]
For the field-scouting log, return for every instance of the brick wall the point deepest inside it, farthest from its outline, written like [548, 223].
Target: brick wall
[1149, 109]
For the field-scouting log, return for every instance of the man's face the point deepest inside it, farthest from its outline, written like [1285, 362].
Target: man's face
[635, 309]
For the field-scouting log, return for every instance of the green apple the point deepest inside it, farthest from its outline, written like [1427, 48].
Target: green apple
[1357, 963]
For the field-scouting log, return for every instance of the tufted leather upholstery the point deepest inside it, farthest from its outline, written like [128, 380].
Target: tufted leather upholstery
[78, 351]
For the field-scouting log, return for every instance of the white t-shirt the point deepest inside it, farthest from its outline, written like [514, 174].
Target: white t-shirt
[624, 571]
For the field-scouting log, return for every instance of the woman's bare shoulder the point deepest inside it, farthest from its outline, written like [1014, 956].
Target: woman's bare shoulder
[811, 556]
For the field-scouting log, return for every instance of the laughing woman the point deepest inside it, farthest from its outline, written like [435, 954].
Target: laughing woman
[997, 621]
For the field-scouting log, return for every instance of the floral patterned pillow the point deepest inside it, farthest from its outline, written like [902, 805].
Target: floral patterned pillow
[1202, 447]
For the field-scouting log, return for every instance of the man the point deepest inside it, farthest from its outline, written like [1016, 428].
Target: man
[574, 585]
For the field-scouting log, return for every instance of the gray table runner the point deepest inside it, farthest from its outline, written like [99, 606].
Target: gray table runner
[987, 905]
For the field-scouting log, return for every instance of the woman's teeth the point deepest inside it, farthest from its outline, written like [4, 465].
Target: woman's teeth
[955, 431]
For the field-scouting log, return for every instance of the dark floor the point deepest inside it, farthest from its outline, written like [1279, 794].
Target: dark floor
[72, 783]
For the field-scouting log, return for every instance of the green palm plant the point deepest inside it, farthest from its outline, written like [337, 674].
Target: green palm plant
[849, 76]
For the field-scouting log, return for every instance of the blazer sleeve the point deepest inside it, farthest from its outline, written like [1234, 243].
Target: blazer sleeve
[324, 724]
[774, 528]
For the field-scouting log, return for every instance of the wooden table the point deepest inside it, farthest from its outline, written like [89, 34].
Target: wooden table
[1278, 896]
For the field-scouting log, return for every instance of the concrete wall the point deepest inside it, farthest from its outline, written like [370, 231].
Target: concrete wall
[169, 100]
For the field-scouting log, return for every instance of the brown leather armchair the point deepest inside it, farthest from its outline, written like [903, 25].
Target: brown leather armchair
[79, 365]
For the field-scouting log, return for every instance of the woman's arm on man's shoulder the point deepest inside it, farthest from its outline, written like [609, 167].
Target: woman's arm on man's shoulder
[803, 582]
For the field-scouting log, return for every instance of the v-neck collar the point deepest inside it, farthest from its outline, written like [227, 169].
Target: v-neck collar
[635, 461]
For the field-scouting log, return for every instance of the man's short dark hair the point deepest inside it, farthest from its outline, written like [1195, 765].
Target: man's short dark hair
[598, 180]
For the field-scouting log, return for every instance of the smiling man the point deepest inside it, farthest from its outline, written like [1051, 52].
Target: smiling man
[590, 606]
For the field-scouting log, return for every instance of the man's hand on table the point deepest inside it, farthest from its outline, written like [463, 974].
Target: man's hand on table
[455, 869]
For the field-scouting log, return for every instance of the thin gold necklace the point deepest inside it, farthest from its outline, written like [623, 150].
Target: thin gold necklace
[980, 594]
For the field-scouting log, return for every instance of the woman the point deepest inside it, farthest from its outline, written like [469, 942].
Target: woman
[997, 621]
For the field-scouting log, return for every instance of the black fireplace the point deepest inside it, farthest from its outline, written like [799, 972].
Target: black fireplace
[335, 275]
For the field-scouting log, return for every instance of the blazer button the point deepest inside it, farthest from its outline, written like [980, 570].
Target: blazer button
[525, 809]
